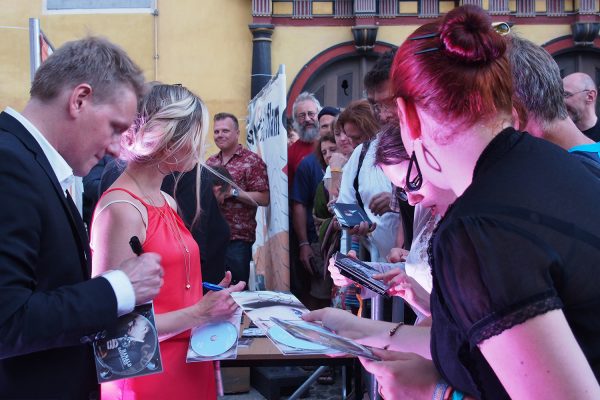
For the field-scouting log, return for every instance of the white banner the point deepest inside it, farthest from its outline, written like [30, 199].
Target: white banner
[267, 137]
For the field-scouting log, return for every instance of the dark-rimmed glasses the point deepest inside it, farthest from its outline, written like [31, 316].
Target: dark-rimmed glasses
[412, 184]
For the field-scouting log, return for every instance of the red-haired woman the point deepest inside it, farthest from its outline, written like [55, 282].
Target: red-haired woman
[516, 293]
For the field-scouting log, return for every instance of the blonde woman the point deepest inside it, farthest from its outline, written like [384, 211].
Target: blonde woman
[166, 138]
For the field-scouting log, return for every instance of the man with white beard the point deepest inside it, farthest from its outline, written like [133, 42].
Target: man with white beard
[305, 113]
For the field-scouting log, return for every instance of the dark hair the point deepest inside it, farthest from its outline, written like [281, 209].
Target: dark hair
[93, 60]
[456, 70]
[380, 71]
[223, 115]
[360, 113]
[221, 177]
[328, 137]
[390, 148]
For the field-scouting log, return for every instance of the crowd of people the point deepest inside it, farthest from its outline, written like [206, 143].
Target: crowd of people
[475, 162]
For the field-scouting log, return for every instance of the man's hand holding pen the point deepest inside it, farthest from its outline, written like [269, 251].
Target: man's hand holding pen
[144, 272]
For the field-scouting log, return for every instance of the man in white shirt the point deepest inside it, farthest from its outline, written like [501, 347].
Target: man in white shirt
[82, 98]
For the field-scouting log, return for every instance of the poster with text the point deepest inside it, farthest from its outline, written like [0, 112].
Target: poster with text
[267, 137]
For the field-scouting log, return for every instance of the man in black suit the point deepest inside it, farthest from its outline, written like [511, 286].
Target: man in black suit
[82, 98]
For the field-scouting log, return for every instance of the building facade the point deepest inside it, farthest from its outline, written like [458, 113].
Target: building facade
[226, 50]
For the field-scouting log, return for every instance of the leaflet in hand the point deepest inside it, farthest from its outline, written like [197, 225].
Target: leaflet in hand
[350, 215]
[360, 272]
[314, 333]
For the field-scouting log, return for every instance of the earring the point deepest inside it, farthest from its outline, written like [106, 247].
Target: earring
[430, 159]
[159, 170]
[171, 163]
[413, 184]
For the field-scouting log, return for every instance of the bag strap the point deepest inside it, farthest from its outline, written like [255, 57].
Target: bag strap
[363, 152]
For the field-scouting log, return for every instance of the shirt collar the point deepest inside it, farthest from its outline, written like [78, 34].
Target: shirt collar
[238, 152]
[62, 170]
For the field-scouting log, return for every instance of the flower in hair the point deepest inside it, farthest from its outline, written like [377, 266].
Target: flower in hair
[138, 123]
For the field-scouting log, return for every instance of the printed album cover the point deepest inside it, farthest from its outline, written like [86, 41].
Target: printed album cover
[260, 306]
[360, 272]
[349, 215]
[307, 331]
[129, 348]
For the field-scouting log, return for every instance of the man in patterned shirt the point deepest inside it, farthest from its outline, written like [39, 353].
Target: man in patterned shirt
[249, 174]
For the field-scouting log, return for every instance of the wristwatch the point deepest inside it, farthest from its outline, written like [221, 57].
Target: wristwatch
[235, 193]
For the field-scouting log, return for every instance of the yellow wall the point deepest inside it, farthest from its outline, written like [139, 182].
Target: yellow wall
[132, 31]
[210, 55]
[206, 45]
[542, 34]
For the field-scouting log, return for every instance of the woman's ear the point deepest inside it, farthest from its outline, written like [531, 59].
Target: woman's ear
[410, 126]
[409, 119]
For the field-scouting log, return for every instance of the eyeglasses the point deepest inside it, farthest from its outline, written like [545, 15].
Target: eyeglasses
[413, 183]
[568, 95]
[303, 116]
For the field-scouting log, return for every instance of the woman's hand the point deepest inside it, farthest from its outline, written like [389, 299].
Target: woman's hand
[337, 161]
[403, 375]
[362, 229]
[220, 304]
[397, 254]
[402, 285]
[342, 322]
[339, 279]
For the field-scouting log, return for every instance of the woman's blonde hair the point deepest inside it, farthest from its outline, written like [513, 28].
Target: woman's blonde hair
[170, 118]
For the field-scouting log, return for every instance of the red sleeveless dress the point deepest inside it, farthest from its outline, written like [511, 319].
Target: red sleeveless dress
[179, 380]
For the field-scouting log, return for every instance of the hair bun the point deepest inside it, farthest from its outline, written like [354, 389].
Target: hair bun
[466, 33]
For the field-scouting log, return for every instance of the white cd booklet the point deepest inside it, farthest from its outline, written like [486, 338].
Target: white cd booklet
[279, 316]
[215, 341]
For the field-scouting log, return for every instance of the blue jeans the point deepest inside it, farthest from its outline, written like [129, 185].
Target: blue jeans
[237, 260]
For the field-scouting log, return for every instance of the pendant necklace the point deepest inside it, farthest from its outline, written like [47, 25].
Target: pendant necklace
[171, 222]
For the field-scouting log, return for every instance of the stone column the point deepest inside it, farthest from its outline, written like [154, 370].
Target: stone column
[261, 56]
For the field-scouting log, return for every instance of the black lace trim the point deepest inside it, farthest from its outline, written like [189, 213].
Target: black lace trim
[485, 329]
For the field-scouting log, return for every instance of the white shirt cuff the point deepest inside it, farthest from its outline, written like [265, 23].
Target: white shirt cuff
[123, 291]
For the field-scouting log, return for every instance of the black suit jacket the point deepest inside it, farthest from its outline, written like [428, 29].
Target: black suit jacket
[48, 303]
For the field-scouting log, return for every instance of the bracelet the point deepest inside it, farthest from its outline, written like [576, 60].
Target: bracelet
[394, 329]
[305, 243]
[440, 390]
[335, 169]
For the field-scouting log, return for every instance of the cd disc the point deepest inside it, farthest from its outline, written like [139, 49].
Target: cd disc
[280, 335]
[213, 339]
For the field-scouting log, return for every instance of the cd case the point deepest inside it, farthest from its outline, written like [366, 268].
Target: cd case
[350, 215]
[360, 272]
[129, 348]
[319, 335]
[215, 341]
